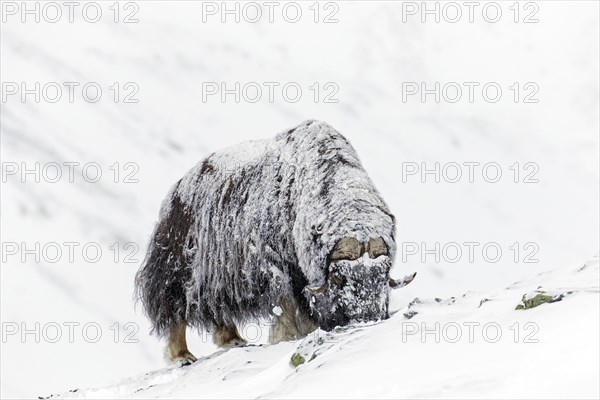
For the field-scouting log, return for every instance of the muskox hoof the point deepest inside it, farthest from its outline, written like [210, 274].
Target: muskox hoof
[186, 359]
[227, 336]
[182, 359]
[236, 343]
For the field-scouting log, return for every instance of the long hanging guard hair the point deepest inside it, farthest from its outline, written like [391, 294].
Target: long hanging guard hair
[253, 224]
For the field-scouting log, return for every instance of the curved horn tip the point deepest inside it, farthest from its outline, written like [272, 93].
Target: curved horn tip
[398, 283]
[316, 290]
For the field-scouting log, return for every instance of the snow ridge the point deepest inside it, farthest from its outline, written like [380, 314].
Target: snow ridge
[409, 359]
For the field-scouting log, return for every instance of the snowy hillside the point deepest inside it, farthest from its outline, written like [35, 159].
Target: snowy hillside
[474, 345]
[68, 319]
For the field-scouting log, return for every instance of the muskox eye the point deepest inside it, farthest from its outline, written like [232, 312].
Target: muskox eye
[347, 248]
[377, 248]
[317, 229]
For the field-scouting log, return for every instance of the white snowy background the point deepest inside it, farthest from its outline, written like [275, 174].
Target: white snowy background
[369, 53]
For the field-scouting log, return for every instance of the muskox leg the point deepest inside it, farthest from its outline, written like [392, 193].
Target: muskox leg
[227, 336]
[292, 324]
[177, 349]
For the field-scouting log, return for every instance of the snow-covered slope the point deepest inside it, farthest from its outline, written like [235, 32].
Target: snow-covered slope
[369, 54]
[474, 345]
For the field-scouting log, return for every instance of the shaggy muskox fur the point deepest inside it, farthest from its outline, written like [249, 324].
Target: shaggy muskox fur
[252, 227]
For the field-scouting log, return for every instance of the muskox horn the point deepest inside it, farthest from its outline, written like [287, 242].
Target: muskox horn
[347, 248]
[317, 290]
[398, 283]
[377, 247]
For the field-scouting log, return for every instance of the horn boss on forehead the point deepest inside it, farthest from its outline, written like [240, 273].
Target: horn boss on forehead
[377, 248]
[347, 248]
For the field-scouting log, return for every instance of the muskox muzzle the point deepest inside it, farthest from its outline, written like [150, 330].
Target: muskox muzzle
[355, 291]
[357, 285]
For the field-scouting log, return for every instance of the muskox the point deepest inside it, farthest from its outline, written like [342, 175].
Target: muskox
[290, 228]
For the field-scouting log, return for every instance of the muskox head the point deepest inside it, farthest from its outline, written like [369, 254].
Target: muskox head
[357, 284]
[343, 231]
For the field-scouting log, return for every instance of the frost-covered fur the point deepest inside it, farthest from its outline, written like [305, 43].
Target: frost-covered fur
[251, 226]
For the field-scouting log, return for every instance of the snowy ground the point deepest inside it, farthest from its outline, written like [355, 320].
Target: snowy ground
[475, 345]
[370, 55]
